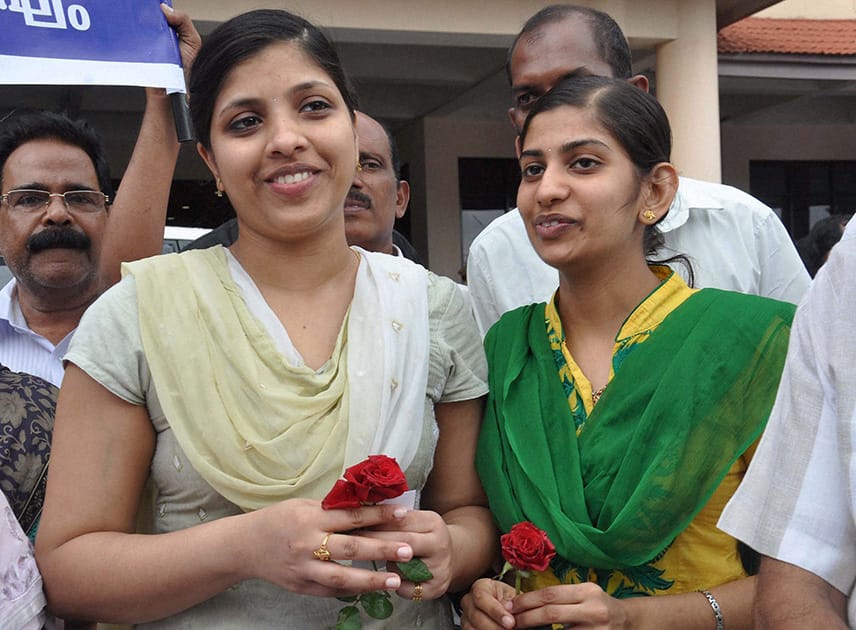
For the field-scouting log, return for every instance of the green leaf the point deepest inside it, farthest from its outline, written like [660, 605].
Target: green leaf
[351, 599]
[377, 604]
[415, 570]
[349, 619]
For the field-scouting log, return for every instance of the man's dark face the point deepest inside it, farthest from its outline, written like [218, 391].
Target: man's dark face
[52, 248]
[376, 197]
[544, 57]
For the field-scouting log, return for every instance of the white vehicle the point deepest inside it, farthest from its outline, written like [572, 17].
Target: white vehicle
[175, 237]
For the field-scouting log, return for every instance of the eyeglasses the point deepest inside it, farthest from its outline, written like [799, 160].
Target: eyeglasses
[31, 201]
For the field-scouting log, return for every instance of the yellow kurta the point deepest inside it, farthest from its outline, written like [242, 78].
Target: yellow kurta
[702, 556]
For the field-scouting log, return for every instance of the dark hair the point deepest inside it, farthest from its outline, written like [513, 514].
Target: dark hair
[22, 126]
[631, 116]
[815, 246]
[608, 37]
[242, 37]
[393, 150]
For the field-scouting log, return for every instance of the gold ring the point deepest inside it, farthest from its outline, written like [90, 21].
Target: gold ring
[417, 592]
[322, 553]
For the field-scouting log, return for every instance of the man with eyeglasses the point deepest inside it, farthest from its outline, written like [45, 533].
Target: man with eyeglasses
[53, 215]
[55, 235]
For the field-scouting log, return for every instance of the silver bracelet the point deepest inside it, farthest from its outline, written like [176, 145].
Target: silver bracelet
[717, 611]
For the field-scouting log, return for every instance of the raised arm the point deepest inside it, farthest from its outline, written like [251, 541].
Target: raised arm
[791, 598]
[138, 214]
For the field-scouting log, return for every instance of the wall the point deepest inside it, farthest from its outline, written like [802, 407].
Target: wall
[446, 140]
[411, 149]
[450, 17]
[824, 10]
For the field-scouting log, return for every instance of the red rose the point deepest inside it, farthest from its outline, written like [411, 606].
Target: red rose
[377, 478]
[527, 548]
[341, 496]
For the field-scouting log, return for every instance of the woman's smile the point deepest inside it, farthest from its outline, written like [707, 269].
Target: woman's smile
[553, 225]
[293, 181]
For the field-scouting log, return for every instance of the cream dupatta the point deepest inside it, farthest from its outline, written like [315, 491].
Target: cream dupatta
[256, 428]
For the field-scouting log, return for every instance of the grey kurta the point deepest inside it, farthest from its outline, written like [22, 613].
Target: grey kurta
[107, 346]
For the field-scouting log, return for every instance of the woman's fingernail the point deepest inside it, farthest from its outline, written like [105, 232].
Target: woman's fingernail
[509, 605]
[405, 553]
[393, 581]
[167, 7]
[399, 512]
[508, 621]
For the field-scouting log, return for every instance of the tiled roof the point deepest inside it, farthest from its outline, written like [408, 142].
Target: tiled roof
[792, 37]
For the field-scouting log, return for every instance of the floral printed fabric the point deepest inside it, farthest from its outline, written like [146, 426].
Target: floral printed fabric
[27, 407]
[22, 602]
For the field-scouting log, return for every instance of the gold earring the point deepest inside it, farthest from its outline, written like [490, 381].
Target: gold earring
[219, 191]
[359, 167]
[649, 215]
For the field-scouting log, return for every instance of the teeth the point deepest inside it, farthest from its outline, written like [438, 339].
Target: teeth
[292, 179]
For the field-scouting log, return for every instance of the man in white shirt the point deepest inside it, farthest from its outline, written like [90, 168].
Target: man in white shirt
[796, 504]
[52, 239]
[732, 240]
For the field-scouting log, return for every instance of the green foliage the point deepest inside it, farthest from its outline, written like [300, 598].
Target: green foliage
[349, 619]
[415, 570]
[377, 604]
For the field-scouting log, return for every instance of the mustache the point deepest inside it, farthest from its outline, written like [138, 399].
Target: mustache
[359, 197]
[65, 238]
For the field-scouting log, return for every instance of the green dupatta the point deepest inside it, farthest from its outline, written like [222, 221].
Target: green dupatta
[683, 407]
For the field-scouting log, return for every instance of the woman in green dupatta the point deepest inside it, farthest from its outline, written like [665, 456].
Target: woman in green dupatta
[620, 414]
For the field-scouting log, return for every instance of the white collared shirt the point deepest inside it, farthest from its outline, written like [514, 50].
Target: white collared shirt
[797, 502]
[733, 241]
[21, 349]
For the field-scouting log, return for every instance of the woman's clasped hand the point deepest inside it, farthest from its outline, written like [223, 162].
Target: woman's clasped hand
[285, 554]
[494, 604]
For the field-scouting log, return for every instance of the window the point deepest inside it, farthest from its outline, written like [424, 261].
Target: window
[802, 193]
[488, 189]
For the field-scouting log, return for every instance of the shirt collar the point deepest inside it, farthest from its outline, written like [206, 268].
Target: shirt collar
[10, 310]
[677, 215]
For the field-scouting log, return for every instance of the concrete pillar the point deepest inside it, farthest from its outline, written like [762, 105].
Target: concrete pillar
[688, 88]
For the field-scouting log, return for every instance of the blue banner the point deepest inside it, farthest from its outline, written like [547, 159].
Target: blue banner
[98, 33]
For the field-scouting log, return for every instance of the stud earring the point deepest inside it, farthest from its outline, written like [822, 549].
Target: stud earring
[649, 215]
[359, 167]
[219, 191]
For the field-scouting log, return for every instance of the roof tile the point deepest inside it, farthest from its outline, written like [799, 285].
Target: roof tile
[796, 36]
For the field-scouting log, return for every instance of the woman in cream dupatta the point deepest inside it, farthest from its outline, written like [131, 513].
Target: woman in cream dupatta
[246, 380]
[621, 413]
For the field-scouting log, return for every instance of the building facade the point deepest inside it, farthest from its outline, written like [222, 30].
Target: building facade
[435, 72]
